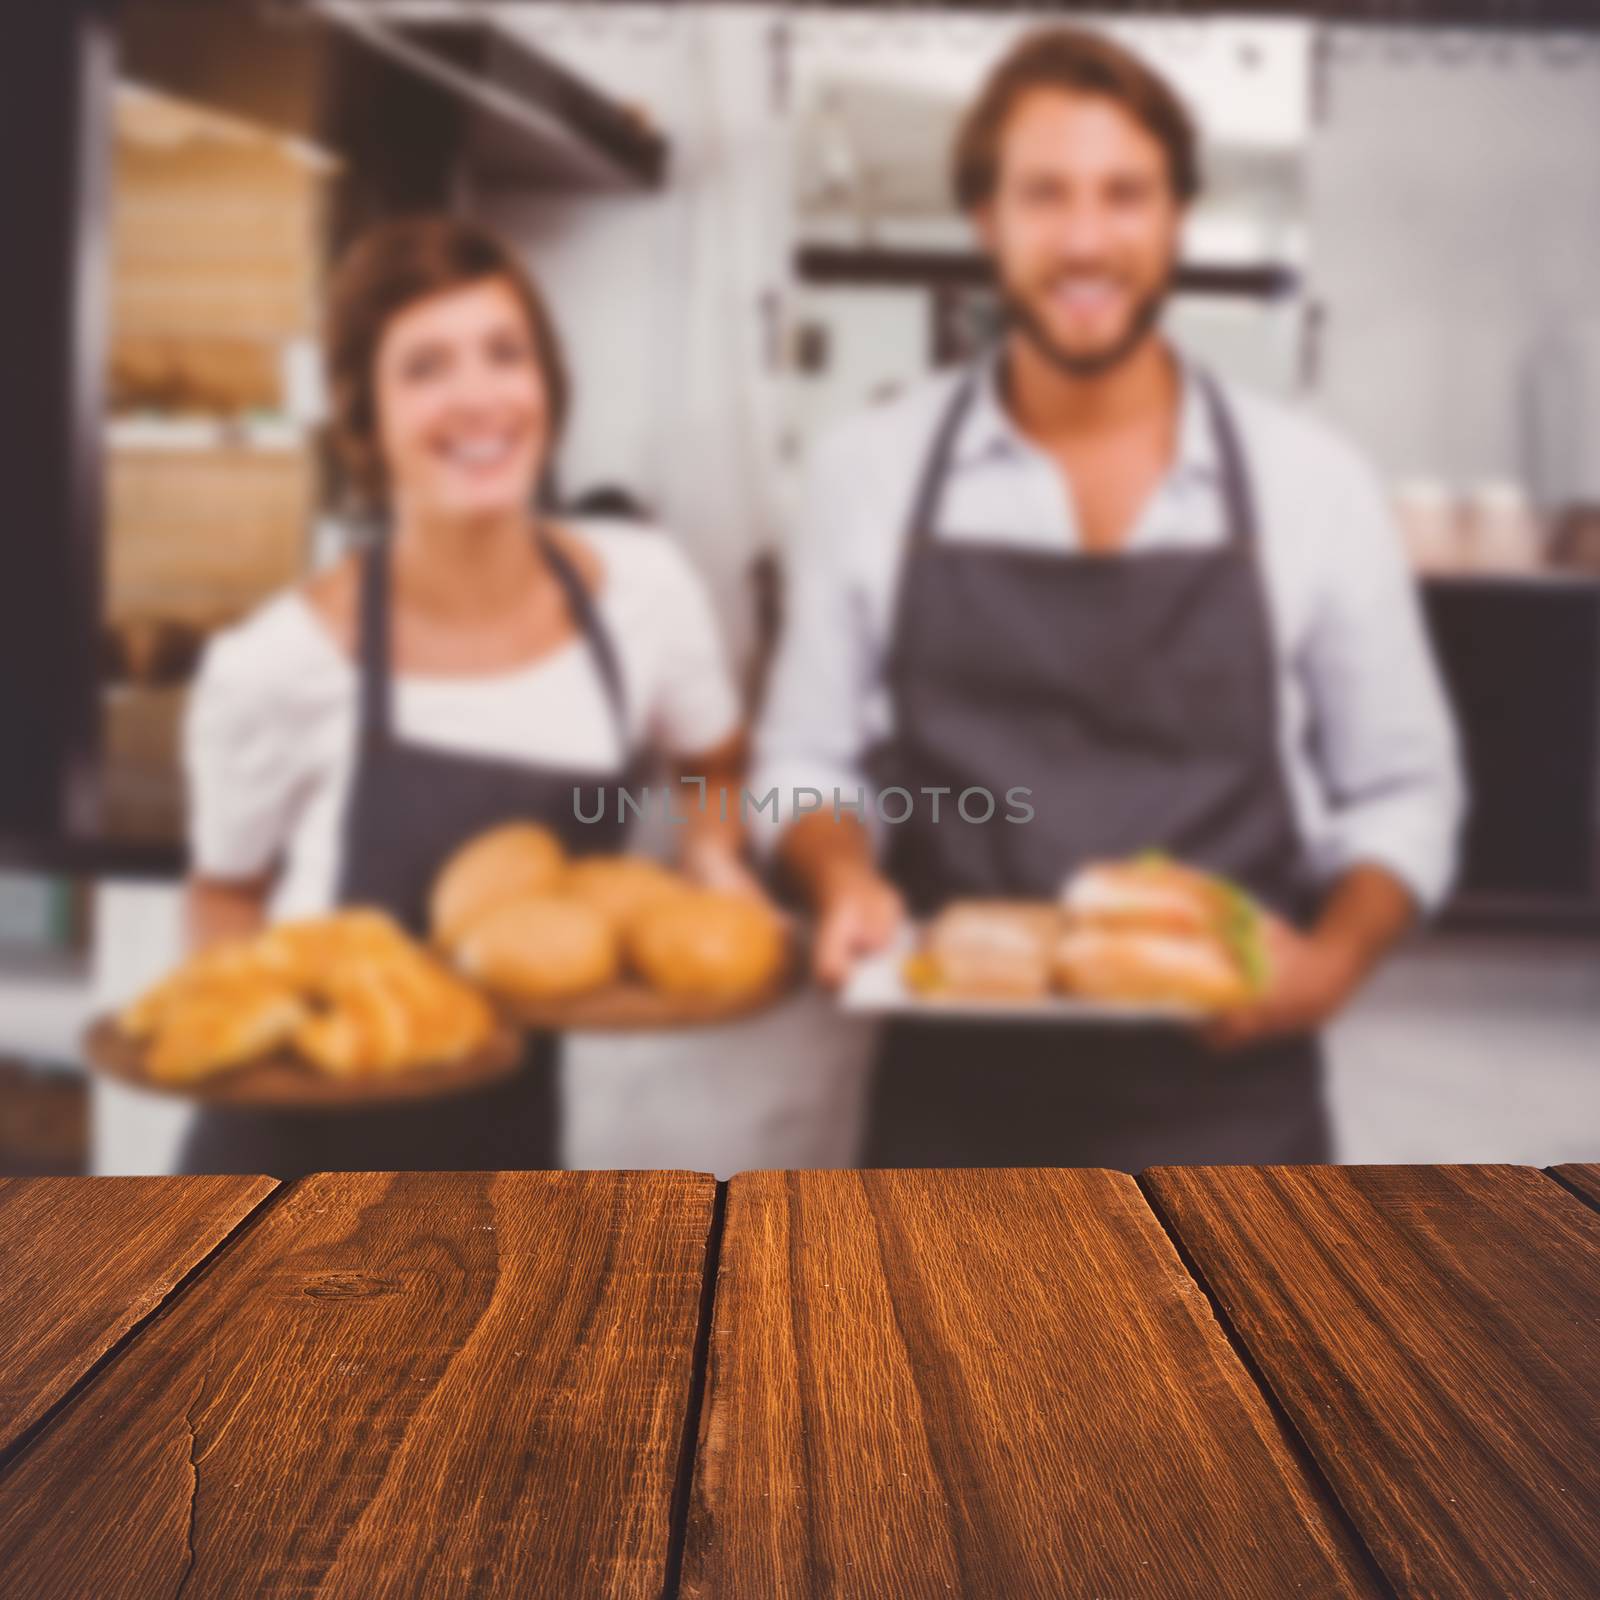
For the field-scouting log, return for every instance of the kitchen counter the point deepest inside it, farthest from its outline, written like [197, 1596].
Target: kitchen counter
[1204, 1381]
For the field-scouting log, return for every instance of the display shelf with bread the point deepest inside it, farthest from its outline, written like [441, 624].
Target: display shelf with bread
[337, 1010]
[603, 942]
[1147, 940]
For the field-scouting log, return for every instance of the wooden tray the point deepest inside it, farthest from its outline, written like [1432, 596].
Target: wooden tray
[633, 1007]
[284, 1082]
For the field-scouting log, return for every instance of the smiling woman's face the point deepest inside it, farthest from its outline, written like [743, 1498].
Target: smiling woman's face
[463, 412]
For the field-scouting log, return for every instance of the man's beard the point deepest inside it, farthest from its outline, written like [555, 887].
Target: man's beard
[1091, 363]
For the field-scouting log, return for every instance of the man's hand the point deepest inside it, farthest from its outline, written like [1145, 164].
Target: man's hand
[857, 909]
[858, 912]
[1310, 976]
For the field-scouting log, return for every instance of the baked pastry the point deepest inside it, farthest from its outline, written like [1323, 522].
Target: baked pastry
[708, 945]
[988, 949]
[621, 887]
[507, 863]
[304, 952]
[235, 960]
[222, 1024]
[349, 992]
[1150, 892]
[1154, 930]
[389, 1016]
[543, 947]
[1150, 968]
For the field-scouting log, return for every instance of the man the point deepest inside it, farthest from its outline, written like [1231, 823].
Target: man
[1176, 614]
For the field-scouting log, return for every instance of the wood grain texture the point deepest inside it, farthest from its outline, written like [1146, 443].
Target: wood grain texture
[1434, 1333]
[1584, 1177]
[82, 1260]
[985, 1383]
[440, 1384]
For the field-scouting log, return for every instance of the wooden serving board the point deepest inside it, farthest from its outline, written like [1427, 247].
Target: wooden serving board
[284, 1082]
[633, 1006]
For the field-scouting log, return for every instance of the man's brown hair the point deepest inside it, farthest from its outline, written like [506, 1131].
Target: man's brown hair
[1078, 62]
[389, 267]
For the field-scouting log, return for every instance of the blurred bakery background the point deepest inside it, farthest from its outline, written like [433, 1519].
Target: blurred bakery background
[740, 215]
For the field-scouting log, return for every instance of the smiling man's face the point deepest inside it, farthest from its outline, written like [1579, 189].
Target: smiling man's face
[1083, 226]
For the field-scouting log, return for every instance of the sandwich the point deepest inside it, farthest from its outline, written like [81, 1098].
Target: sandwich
[1152, 931]
[987, 950]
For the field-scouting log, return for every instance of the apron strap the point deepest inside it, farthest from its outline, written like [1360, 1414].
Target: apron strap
[376, 695]
[1238, 495]
[372, 648]
[924, 511]
[585, 613]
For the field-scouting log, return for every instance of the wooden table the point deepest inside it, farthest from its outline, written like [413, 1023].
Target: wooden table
[1217, 1382]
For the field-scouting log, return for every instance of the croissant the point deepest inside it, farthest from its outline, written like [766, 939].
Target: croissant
[351, 993]
[391, 1016]
[235, 961]
[221, 1025]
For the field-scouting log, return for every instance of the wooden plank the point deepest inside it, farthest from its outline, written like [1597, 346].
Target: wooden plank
[441, 1384]
[985, 1383]
[1584, 1176]
[1434, 1333]
[82, 1260]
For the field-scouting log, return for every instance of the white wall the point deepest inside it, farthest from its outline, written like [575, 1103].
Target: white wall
[1453, 187]
[664, 298]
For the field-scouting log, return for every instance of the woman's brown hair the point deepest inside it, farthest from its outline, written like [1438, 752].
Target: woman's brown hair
[1078, 62]
[389, 267]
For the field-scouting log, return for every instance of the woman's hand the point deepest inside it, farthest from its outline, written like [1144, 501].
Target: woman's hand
[1311, 976]
[217, 912]
[713, 863]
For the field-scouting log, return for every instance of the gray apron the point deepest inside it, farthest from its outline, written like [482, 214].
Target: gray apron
[410, 807]
[1135, 696]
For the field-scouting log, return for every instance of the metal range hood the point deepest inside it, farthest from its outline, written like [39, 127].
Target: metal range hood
[528, 119]
[409, 107]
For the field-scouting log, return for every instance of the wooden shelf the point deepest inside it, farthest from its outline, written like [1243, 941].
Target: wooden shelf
[915, 269]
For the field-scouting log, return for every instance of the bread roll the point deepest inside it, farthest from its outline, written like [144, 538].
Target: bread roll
[999, 949]
[507, 863]
[547, 947]
[1149, 892]
[1154, 930]
[1121, 964]
[621, 887]
[707, 945]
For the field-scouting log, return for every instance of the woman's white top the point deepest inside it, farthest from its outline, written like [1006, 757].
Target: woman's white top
[270, 739]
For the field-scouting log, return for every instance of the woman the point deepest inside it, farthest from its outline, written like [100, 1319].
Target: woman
[477, 664]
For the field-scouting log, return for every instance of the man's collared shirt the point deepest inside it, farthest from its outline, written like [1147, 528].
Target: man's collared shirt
[1365, 734]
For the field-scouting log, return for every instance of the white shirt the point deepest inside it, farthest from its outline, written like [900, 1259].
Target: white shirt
[1366, 739]
[271, 728]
